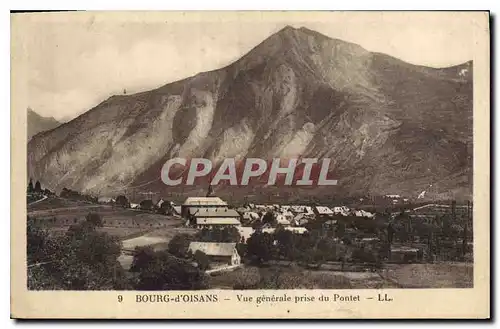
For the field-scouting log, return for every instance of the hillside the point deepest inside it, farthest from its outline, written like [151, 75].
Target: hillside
[389, 126]
[36, 123]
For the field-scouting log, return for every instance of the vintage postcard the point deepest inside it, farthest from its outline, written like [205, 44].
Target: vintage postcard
[250, 165]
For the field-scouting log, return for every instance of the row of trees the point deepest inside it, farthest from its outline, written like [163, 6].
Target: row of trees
[37, 188]
[75, 195]
[83, 258]
[146, 205]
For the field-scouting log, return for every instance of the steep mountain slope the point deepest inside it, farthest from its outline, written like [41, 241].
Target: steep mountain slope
[389, 126]
[36, 123]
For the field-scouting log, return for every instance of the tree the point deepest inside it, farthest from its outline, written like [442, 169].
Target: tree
[268, 218]
[95, 219]
[162, 271]
[230, 234]
[366, 255]
[179, 245]
[82, 259]
[285, 243]
[202, 260]
[30, 186]
[340, 229]
[257, 224]
[165, 209]
[122, 201]
[260, 247]
[146, 205]
[38, 187]
[390, 233]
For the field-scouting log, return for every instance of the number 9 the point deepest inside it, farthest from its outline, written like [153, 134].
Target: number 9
[120, 298]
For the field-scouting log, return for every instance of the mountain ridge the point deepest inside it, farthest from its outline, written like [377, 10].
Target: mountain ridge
[296, 93]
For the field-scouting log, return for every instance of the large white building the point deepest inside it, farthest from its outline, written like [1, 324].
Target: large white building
[214, 217]
[193, 203]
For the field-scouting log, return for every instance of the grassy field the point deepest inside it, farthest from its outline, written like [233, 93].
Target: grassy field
[58, 214]
[54, 203]
[440, 275]
[394, 276]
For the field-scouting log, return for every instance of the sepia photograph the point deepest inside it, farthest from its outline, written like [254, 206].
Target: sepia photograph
[206, 152]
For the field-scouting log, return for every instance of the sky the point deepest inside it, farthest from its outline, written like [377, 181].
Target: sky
[73, 61]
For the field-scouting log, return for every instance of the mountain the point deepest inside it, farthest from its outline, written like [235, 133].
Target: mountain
[36, 123]
[387, 125]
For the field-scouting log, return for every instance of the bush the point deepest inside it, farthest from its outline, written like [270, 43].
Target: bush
[247, 278]
[82, 259]
[202, 260]
[179, 245]
[122, 201]
[162, 271]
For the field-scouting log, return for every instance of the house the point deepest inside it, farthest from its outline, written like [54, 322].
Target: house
[214, 217]
[301, 219]
[288, 215]
[308, 210]
[393, 196]
[177, 210]
[159, 203]
[330, 223]
[134, 206]
[146, 205]
[405, 254]
[105, 200]
[342, 210]
[245, 233]
[296, 230]
[192, 203]
[250, 216]
[216, 222]
[363, 213]
[281, 220]
[321, 210]
[218, 252]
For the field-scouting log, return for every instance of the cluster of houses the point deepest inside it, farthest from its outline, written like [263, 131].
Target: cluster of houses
[212, 212]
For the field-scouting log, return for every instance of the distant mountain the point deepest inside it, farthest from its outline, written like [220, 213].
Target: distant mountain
[389, 126]
[37, 123]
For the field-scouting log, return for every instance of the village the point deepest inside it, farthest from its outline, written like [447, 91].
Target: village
[219, 238]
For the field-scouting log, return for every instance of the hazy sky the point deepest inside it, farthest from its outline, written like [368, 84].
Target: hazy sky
[74, 61]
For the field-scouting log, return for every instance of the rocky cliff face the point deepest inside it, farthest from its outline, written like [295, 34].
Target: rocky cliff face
[389, 126]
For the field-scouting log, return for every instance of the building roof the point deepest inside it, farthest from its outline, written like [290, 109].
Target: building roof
[250, 215]
[217, 221]
[363, 213]
[105, 199]
[299, 230]
[213, 248]
[214, 212]
[287, 213]
[323, 210]
[403, 249]
[280, 219]
[204, 201]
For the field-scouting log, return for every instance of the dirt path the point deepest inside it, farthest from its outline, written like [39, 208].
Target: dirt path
[42, 199]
